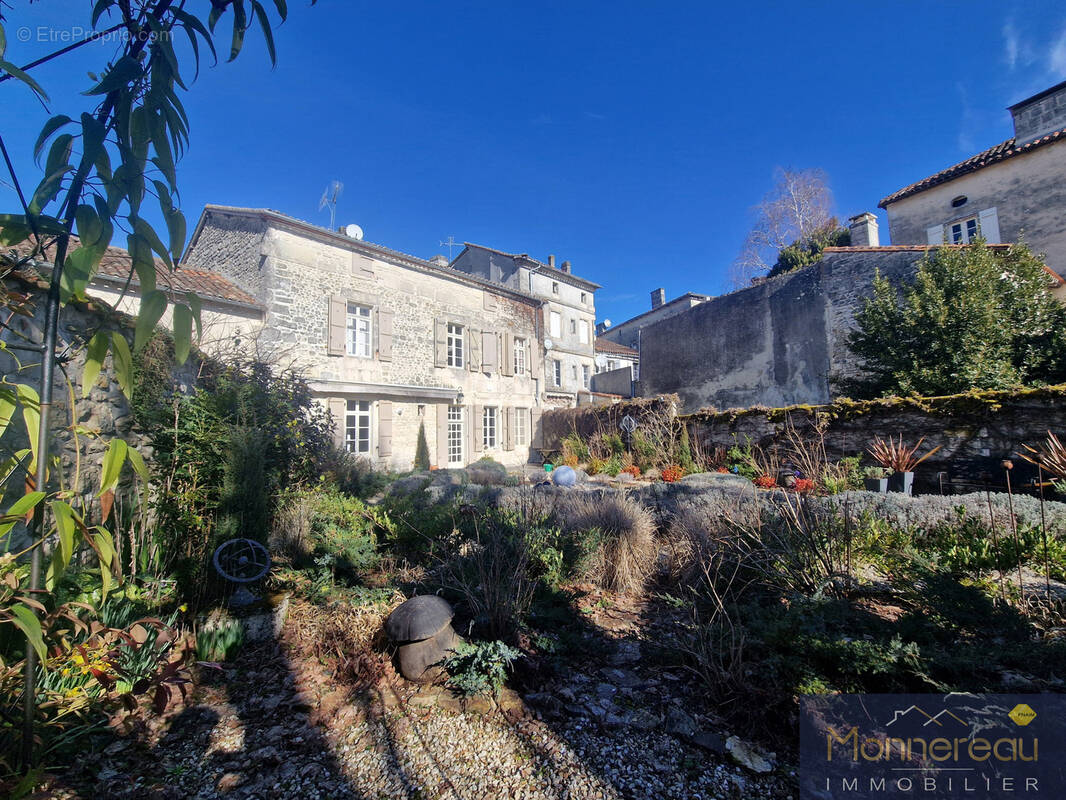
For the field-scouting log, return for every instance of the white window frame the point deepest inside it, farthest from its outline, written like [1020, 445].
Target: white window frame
[555, 324]
[456, 354]
[455, 436]
[360, 331]
[969, 228]
[519, 356]
[359, 427]
[490, 427]
[558, 368]
[521, 415]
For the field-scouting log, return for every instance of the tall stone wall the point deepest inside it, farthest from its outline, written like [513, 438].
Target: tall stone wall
[775, 344]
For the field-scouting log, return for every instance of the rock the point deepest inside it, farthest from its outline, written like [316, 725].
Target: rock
[625, 678]
[679, 723]
[605, 691]
[410, 484]
[425, 697]
[450, 701]
[230, 781]
[712, 742]
[625, 653]
[748, 755]
[510, 702]
[487, 472]
[642, 719]
[478, 704]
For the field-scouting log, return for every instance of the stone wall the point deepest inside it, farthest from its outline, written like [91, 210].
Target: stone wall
[616, 381]
[587, 420]
[775, 344]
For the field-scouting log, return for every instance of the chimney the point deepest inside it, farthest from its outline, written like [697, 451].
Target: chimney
[439, 261]
[566, 267]
[863, 229]
[1039, 115]
[551, 261]
[658, 297]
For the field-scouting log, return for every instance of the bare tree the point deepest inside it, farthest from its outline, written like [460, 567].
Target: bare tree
[797, 205]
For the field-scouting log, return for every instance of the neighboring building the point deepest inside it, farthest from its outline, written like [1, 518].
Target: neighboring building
[568, 324]
[388, 341]
[628, 332]
[1013, 191]
[617, 366]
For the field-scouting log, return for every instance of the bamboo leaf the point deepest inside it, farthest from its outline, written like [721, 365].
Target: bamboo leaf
[92, 137]
[105, 551]
[111, 468]
[78, 268]
[63, 515]
[8, 401]
[95, 354]
[268, 34]
[126, 70]
[50, 127]
[26, 621]
[143, 263]
[19, 509]
[123, 363]
[31, 415]
[182, 332]
[240, 25]
[147, 232]
[193, 300]
[18, 74]
[9, 466]
[137, 462]
[89, 226]
[153, 304]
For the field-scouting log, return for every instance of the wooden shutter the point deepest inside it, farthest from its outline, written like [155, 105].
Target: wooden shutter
[442, 435]
[473, 349]
[440, 343]
[477, 429]
[489, 342]
[988, 220]
[337, 409]
[362, 267]
[384, 329]
[338, 326]
[533, 347]
[935, 234]
[536, 430]
[507, 356]
[384, 428]
[508, 428]
[490, 301]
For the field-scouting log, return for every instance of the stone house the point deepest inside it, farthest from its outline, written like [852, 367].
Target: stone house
[617, 366]
[1012, 191]
[628, 333]
[389, 342]
[569, 315]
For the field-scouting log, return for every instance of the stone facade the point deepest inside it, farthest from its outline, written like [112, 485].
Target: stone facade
[774, 344]
[374, 331]
[569, 313]
[628, 333]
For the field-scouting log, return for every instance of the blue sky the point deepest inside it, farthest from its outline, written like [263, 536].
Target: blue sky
[629, 138]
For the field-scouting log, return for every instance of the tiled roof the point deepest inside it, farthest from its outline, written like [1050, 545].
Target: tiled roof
[992, 155]
[115, 266]
[607, 346]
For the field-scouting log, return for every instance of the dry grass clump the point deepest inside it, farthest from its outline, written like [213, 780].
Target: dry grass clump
[626, 531]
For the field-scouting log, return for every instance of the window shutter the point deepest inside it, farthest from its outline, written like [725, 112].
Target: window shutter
[362, 267]
[507, 356]
[533, 347]
[490, 301]
[384, 329]
[935, 234]
[440, 343]
[537, 430]
[384, 428]
[476, 430]
[338, 325]
[508, 428]
[337, 409]
[442, 435]
[988, 220]
[489, 347]
[473, 349]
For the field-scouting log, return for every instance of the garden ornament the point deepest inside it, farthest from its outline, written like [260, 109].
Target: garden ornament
[422, 627]
[564, 476]
[241, 561]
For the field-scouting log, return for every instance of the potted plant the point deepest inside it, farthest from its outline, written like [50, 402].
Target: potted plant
[899, 459]
[875, 479]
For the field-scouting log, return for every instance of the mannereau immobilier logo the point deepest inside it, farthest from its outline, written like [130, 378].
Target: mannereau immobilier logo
[932, 746]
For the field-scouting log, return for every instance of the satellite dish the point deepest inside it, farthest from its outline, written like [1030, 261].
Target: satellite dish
[606, 323]
[601, 360]
[548, 344]
[353, 231]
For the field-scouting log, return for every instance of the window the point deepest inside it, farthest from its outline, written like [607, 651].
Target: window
[584, 298]
[555, 324]
[519, 356]
[555, 287]
[558, 372]
[357, 426]
[520, 417]
[963, 231]
[488, 427]
[359, 331]
[584, 330]
[573, 372]
[610, 364]
[585, 376]
[455, 434]
[455, 345]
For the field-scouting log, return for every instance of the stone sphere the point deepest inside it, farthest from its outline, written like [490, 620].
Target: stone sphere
[564, 476]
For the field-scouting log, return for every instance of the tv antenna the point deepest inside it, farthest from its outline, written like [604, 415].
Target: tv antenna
[329, 198]
[450, 244]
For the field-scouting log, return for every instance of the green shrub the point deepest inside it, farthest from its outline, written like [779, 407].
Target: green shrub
[684, 451]
[346, 528]
[422, 449]
[574, 447]
[219, 640]
[645, 454]
[614, 444]
[612, 466]
[479, 668]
